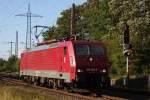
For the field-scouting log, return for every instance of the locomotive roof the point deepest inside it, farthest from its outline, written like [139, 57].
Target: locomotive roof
[60, 43]
[85, 42]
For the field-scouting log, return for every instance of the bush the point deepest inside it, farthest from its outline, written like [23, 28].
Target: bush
[12, 65]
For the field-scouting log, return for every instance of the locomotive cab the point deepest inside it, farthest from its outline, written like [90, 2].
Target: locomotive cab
[91, 64]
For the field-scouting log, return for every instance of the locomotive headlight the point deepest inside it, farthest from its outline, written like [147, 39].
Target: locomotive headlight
[79, 70]
[104, 70]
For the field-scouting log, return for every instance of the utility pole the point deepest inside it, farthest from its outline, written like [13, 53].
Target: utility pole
[16, 45]
[72, 26]
[28, 15]
[11, 44]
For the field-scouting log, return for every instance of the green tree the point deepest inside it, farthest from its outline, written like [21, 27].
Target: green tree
[12, 64]
[2, 62]
[49, 34]
[105, 20]
[138, 18]
[89, 18]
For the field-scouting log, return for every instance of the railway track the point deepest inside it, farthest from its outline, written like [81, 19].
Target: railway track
[61, 95]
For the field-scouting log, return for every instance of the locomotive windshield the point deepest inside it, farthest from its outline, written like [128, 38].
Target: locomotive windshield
[85, 49]
[82, 50]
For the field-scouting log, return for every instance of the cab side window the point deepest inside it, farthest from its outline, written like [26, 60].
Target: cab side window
[65, 51]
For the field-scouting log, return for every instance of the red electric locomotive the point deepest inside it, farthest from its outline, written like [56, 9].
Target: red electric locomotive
[66, 64]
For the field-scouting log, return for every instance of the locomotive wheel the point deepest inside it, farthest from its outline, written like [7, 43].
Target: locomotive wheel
[96, 93]
[36, 81]
[42, 81]
[24, 78]
[60, 84]
[68, 88]
[50, 83]
[55, 84]
[21, 78]
[28, 80]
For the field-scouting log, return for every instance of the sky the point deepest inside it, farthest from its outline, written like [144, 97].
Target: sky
[9, 23]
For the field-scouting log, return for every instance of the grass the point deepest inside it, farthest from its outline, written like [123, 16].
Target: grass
[9, 92]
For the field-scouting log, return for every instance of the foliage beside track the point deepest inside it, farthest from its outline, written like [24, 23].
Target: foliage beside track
[10, 65]
[8, 92]
[105, 20]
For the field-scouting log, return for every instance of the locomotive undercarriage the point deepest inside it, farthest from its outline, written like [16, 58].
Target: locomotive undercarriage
[83, 81]
[44, 81]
